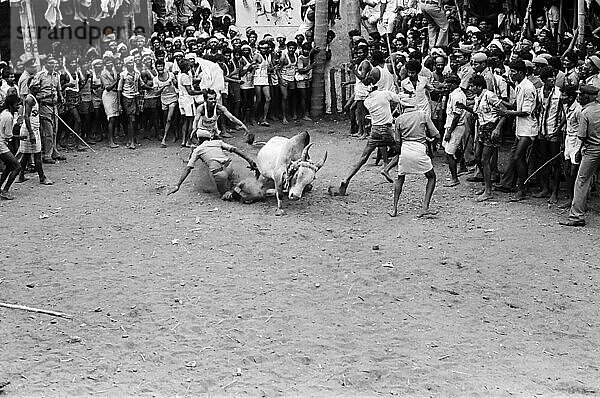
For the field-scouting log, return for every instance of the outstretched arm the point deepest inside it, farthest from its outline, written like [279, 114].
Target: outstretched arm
[245, 157]
[186, 172]
[229, 116]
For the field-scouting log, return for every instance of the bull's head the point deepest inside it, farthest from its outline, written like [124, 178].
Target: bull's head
[301, 173]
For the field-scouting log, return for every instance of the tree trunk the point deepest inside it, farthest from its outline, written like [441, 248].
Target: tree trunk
[580, 21]
[353, 14]
[317, 101]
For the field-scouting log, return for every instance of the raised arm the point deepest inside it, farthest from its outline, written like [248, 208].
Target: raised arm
[229, 115]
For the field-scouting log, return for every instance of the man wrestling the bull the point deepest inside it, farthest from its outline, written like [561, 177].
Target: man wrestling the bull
[211, 152]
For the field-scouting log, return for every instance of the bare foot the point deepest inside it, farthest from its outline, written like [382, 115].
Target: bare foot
[386, 175]
[565, 205]
[484, 196]
[4, 195]
[553, 199]
[427, 212]
[542, 194]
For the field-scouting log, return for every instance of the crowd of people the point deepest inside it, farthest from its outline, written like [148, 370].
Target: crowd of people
[154, 86]
[427, 80]
[476, 85]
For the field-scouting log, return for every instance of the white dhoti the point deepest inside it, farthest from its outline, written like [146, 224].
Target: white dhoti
[413, 159]
[572, 146]
[456, 140]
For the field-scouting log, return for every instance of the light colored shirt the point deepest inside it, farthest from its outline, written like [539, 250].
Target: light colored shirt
[4, 87]
[573, 114]
[211, 153]
[129, 84]
[6, 125]
[419, 93]
[49, 86]
[490, 80]
[24, 84]
[415, 125]
[486, 107]
[360, 89]
[386, 81]
[378, 105]
[455, 97]
[526, 97]
[594, 80]
[551, 112]
[465, 73]
[589, 124]
[501, 86]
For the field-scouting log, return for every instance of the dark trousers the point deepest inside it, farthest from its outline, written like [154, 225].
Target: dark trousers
[517, 166]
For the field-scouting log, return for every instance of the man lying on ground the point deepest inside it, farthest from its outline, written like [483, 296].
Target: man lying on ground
[211, 152]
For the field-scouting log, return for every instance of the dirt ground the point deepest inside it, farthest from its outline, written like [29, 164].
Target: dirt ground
[187, 295]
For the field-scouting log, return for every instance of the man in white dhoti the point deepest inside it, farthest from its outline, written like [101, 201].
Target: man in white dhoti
[415, 128]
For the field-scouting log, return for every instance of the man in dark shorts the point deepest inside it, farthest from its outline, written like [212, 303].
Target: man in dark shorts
[129, 87]
[379, 107]
[488, 136]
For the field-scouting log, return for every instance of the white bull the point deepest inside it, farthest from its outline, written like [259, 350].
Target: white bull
[285, 161]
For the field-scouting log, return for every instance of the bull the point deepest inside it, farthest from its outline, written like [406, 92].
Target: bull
[286, 163]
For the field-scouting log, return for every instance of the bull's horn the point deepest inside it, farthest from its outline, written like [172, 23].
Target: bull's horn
[304, 155]
[320, 163]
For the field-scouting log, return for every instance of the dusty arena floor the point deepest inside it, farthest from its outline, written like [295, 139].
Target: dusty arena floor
[187, 295]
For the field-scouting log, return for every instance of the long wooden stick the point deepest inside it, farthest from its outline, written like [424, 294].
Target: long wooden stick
[542, 166]
[526, 20]
[460, 17]
[38, 310]
[77, 135]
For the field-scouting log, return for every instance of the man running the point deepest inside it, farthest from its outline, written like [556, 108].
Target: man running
[377, 104]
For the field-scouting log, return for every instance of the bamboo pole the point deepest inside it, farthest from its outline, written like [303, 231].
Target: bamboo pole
[581, 21]
[30, 45]
[37, 310]
[150, 18]
[560, 18]
[526, 20]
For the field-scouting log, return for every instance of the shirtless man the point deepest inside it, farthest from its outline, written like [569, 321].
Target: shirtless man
[207, 115]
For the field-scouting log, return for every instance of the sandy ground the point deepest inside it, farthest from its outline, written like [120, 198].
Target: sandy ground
[187, 295]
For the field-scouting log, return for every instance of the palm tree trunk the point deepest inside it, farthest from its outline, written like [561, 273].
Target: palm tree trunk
[353, 14]
[317, 103]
